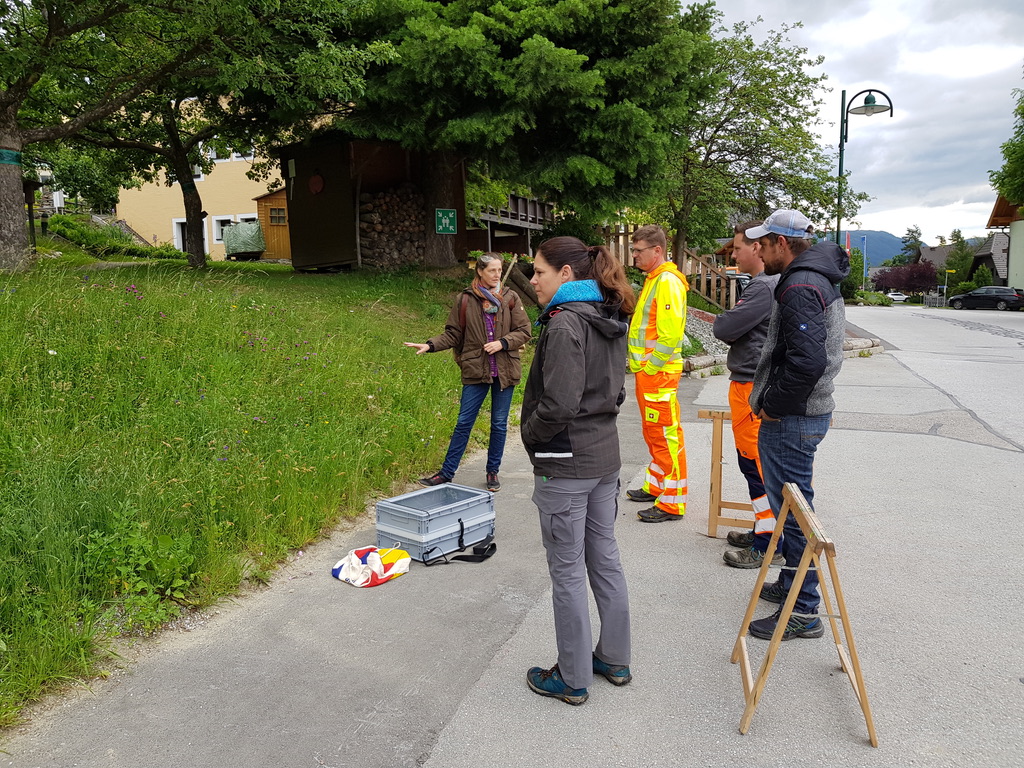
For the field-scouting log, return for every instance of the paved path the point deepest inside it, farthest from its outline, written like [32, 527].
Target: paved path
[429, 670]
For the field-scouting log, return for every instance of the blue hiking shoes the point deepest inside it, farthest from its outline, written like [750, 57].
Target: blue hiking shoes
[774, 592]
[613, 673]
[797, 626]
[548, 682]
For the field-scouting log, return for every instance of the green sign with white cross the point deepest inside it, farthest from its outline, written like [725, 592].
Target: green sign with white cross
[446, 222]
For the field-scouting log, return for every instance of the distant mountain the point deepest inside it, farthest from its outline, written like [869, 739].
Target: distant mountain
[879, 247]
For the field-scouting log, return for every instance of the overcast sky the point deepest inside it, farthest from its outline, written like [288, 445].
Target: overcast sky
[949, 67]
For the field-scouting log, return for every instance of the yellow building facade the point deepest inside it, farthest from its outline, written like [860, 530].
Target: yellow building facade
[157, 213]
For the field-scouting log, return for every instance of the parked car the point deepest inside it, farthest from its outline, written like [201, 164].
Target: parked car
[989, 297]
[897, 296]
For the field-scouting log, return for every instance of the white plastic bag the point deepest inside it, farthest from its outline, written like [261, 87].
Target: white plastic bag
[369, 566]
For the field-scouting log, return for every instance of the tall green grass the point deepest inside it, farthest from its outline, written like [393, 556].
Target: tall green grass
[166, 434]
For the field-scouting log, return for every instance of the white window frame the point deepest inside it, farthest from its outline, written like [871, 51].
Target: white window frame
[227, 159]
[179, 240]
[218, 231]
[244, 156]
[240, 217]
[197, 175]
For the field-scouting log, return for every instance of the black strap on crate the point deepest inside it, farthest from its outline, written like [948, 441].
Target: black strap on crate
[481, 550]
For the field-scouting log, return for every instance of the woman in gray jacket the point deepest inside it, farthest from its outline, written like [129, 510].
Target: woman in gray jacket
[572, 398]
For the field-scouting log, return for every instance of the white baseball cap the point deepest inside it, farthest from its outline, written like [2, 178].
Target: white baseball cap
[787, 223]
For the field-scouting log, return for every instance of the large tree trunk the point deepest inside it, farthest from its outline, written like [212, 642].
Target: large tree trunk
[679, 246]
[680, 219]
[14, 243]
[195, 248]
[439, 192]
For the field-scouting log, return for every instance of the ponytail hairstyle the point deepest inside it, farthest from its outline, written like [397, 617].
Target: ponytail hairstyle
[593, 262]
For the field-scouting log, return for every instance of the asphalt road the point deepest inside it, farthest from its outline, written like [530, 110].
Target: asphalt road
[919, 483]
[975, 356]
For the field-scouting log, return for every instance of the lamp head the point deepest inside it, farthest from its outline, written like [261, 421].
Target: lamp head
[870, 106]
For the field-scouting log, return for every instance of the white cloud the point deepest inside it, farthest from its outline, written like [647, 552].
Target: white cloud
[969, 218]
[950, 69]
[961, 62]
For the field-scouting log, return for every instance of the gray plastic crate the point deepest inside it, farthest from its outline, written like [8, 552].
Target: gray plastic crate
[429, 522]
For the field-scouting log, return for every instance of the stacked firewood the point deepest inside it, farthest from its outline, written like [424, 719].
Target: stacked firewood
[391, 227]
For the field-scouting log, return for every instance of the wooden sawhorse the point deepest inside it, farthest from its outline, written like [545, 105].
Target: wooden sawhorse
[715, 503]
[817, 542]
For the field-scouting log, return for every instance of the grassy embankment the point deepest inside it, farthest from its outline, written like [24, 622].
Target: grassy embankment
[167, 434]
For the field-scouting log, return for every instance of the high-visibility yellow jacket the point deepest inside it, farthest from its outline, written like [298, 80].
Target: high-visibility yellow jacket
[658, 322]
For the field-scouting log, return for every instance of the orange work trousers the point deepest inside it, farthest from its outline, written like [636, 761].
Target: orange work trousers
[659, 414]
[745, 426]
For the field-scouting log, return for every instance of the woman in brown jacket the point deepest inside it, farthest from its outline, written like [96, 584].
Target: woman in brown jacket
[486, 329]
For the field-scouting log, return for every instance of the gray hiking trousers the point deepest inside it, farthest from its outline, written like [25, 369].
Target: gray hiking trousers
[577, 523]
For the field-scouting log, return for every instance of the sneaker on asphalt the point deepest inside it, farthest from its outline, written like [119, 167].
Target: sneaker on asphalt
[750, 558]
[655, 515]
[639, 494]
[774, 593]
[613, 673]
[433, 480]
[741, 539]
[492, 482]
[797, 626]
[548, 682]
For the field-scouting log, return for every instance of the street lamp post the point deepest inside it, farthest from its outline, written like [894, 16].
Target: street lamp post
[869, 107]
[945, 286]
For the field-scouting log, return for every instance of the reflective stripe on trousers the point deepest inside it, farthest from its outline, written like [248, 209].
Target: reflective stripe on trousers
[659, 412]
[745, 428]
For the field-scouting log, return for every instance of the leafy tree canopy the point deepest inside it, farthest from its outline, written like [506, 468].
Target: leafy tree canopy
[95, 175]
[982, 276]
[911, 251]
[853, 282]
[918, 277]
[1009, 180]
[66, 65]
[576, 99]
[965, 287]
[960, 259]
[750, 145]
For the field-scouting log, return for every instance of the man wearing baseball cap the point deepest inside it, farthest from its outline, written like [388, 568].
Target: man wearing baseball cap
[793, 385]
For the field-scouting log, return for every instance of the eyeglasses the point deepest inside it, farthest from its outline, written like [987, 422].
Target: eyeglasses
[640, 250]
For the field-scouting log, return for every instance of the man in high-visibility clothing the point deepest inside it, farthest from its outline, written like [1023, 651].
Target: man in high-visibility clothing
[655, 341]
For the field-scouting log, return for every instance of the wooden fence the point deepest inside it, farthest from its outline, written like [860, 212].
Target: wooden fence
[706, 276]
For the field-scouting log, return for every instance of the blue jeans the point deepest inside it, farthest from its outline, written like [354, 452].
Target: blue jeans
[787, 449]
[473, 396]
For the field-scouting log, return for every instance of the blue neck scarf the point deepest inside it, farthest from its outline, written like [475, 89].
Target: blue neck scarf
[575, 290]
[495, 302]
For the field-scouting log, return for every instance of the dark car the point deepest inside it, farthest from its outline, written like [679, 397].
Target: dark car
[989, 297]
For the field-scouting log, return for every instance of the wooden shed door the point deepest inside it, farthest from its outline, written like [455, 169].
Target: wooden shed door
[274, 217]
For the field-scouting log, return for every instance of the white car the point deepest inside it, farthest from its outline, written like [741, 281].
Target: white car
[897, 296]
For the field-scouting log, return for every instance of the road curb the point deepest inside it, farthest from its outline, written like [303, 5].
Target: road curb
[702, 366]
